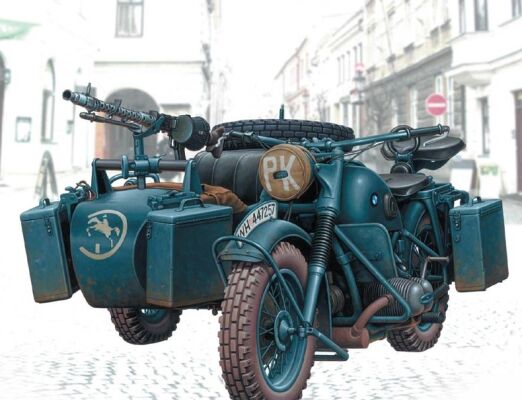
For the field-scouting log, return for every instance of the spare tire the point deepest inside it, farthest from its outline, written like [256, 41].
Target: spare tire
[293, 130]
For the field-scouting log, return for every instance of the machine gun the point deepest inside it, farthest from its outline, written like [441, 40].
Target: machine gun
[183, 131]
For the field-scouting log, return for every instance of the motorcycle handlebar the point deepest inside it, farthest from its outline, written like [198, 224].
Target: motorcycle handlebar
[164, 165]
[347, 145]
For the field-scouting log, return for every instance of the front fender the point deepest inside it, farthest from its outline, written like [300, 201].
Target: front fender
[267, 235]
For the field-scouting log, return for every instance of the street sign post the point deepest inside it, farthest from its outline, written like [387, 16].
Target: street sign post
[436, 104]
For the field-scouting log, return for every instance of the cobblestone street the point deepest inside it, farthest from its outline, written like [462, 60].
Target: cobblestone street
[67, 349]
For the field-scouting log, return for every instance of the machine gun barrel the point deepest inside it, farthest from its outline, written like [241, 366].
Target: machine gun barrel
[93, 104]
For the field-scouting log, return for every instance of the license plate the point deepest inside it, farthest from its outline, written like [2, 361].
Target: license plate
[264, 212]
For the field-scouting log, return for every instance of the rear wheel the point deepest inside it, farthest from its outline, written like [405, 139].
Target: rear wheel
[424, 335]
[144, 325]
[261, 355]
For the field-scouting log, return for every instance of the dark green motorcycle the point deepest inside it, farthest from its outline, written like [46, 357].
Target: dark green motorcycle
[304, 250]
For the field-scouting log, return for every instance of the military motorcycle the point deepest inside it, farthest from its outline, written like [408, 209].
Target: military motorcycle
[304, 250]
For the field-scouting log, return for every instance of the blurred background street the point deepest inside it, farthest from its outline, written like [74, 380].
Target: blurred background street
[367, 64]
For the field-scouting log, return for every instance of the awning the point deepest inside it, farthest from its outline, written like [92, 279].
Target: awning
[14, 29]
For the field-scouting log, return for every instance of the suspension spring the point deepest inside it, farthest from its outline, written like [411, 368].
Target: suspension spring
[322, 241]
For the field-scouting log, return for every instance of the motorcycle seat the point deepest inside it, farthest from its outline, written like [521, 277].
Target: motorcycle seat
[235, 170]
[432, 153]
[403, 185]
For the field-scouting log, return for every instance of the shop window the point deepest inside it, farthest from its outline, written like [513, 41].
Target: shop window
[129, 18]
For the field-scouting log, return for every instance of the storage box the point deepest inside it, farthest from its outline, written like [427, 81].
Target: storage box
[180, 267]
[479, 245]
[46, 234]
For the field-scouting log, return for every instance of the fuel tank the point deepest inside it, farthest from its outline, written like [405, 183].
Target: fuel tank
[109, 247]
[367, 198]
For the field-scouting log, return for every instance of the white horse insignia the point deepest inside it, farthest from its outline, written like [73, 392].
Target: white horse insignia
[98, 225]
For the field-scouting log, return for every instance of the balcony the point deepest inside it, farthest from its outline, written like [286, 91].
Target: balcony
[477, 54]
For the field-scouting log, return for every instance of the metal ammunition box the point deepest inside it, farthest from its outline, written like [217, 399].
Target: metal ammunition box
[180, 266]
[46, 236]
[479, 245]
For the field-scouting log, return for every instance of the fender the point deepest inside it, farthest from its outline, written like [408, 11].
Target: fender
[268, 235]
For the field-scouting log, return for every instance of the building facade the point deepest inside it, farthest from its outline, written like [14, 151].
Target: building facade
[157, 55]
[407, 60]
[44, 49]
[486, 70]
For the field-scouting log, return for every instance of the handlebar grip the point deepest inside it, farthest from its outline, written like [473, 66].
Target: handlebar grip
[430, 130]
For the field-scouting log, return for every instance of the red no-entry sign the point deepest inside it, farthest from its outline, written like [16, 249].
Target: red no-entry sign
[436, 104]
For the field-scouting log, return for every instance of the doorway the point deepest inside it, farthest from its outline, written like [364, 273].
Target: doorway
[118, 140]
[518, 132]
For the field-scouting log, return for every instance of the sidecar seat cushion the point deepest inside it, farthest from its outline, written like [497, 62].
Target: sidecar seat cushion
[210, 194]
[405, 184]
[235, 170]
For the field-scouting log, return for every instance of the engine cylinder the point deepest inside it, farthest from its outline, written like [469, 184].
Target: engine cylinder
[410, 289]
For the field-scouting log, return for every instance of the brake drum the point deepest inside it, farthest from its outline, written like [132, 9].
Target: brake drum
[285, 171]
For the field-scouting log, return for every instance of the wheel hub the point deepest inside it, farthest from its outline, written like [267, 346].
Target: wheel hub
[283, 330]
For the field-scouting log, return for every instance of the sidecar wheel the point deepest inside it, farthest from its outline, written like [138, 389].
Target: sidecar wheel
[259, 356]
[425, 335]
[144, 325]
[285, 129]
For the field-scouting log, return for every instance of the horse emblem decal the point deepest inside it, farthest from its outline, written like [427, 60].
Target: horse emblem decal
[108, 228]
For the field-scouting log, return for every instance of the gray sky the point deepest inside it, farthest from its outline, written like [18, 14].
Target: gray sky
[259, 35]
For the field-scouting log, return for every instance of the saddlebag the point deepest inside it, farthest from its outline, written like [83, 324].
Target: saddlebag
[180, 266]
[479, 245]
[46, 230]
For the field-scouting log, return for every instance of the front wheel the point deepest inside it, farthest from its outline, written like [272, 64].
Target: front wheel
[261, 354]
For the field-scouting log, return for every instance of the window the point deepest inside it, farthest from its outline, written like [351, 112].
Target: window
[413, 107]
[129, 18]
[23, 129]
[360, 53]
[343, 69]
[346, 117]
[356, 119]
[349, 66]
[462, 16]
[516, 8]
[481, 15]
[408, 33]
[48, 104]
[339, 71]
[463, 111]
[440, 89]
[484, 113]
[395, 113]
[451, 103]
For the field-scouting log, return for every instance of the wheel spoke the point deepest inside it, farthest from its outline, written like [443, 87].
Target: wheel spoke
[283, 297]
[265, 331]
[267, 313]
[266, 351]
[274, 300]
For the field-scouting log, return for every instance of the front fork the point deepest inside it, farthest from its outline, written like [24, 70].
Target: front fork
[329, 177]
